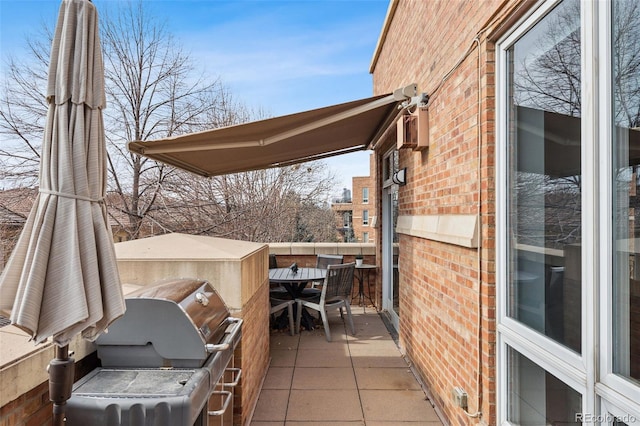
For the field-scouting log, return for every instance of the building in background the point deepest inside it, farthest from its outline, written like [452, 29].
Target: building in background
[355, 211]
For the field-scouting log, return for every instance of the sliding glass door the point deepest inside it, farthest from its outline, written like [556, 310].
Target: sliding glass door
[390, 246]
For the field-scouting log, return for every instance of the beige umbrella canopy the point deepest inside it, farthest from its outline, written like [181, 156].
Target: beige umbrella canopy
[62, 277]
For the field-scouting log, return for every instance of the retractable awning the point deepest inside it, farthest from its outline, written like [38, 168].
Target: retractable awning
[280, 141]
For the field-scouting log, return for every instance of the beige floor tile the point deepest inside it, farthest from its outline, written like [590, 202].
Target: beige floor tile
[330, 423]
[397, 406]
[368, 315]
[378, 362]
[326, 391]
[372, 346]
[317, 338]
[272, 405]
[372, 330]
[386, 378]
[372, 319]
[324, 358]
[278, 378]
[404, 423]
[324, 378]
[371, 336]
[315, 334]
[375, 353]
[324, 405]
[279, 340]
[283, 357]
[322, 344]
[336, 329]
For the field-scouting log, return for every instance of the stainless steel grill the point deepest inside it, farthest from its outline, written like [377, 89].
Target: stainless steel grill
[163, 362]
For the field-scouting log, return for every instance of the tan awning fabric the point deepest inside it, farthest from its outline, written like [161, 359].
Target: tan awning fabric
[280, 141]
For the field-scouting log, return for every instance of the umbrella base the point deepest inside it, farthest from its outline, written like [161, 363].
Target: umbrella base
[61, 372]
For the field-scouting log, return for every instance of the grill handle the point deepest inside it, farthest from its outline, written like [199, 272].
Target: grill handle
[228, 396]
[237, 373]
[209, 347]
[236, 325]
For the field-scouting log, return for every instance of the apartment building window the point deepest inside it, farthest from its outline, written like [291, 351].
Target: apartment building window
[365, 195]
[365, 237]
[365, 217]
[346, 219]
[567, 217]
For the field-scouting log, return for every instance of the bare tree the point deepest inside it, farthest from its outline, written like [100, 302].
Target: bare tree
[547, 77]
[154, 92]
[23, 111]
[273, 205]
[626, 66]
[549, 80]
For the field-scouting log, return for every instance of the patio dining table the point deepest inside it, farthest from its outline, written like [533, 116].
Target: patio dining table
[295, 282]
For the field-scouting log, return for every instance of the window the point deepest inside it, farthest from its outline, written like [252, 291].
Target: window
[365, 217]
[568, 225]
[390, 165]
[365, 195]
[365, 237]
[544, 200]
[625, 179]
[346, 219]
[537, 396]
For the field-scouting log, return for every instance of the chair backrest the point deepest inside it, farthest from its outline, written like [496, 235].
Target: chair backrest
[324, 260]
[338, 281]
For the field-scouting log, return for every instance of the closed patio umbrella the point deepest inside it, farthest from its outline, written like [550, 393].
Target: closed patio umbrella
[62, 277]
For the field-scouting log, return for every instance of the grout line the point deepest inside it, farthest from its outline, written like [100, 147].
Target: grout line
[353, 370]
[293, 373]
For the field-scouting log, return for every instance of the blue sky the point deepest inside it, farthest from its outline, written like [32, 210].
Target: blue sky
[281, 56]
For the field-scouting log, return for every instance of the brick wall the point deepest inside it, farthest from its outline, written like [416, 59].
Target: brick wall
[30, 409]
[252, 354]
[34, 408]
[442, 292]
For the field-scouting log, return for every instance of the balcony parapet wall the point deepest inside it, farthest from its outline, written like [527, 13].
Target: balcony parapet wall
[313, 249]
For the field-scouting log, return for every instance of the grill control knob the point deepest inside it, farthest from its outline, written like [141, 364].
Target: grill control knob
[202, 299]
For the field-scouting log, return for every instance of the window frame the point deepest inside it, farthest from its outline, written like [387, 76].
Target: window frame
[568, 366]
[590, 373]
[365, 195]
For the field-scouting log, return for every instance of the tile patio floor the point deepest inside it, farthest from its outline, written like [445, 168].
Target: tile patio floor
[353, 380]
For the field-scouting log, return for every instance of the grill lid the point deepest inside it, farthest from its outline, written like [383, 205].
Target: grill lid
[166, 325]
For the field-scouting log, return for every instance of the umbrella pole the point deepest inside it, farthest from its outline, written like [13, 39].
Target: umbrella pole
[61, 374]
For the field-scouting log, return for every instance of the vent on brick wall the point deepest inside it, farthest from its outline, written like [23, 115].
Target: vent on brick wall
[413, 130]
